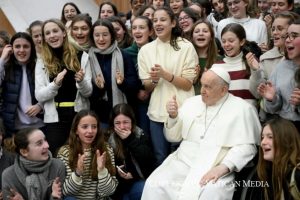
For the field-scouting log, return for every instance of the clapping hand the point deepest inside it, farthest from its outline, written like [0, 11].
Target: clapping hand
[100, 81]
[295, 97]
[79, 75]
[119, 77]
[60, 77]
[80, 164]
[101, 160]
[267, 90]
[14, 195]
[56, 189]
[252, 61]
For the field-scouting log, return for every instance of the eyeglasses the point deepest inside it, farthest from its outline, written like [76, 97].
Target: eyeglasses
[183, 18]
[291, 36]
[229, 4]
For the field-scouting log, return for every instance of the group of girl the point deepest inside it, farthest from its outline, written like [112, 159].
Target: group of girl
[87, 67]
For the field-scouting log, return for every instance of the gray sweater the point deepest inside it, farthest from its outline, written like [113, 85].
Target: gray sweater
[10, 180]
[283, 79]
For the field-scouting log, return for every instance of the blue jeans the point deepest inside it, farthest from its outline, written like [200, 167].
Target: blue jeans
[135, 192]
[161, 146]
[143, 120]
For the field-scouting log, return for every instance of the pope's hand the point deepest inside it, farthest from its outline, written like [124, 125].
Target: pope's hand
[172, 107]
[214, 174]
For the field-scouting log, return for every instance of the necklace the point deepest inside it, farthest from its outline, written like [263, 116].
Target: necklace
[213, 118]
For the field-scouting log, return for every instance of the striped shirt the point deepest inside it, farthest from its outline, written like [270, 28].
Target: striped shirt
[84, 187]
[240, 79]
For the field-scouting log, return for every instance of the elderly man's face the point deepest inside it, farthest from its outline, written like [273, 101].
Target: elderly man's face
[211, 88]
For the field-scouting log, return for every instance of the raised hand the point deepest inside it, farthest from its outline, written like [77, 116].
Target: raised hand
[101, 160]
[6, 52]
[60, 77]
[119, 77]
[80, 164]
[252, 61]
[79, 75]
[295, 97]
[267, 90]
[100, 81]
[172, 107]
[56, 189]
[14, 195]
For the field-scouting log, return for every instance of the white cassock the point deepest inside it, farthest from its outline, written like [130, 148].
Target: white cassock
[225, 133]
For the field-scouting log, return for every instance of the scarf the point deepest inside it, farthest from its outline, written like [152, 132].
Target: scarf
[77, 46]
[33, 174]
[116, 64]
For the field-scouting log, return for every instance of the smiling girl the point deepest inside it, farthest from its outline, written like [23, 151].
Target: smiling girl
[114, 75]
[279, 154]
[35, 173]
[80, 32]
[204, 41]
[235, 62]
[20, 109]
[142, 32]
[167, 68]
[281, 93]
[62, 80]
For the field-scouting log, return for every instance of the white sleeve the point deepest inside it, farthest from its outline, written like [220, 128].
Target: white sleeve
[238, 156]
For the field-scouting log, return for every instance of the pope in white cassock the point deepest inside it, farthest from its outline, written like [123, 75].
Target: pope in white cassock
[218, 133]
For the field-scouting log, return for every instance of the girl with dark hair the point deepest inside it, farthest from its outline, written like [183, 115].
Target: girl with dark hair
[147, 11]
[142, 32]
[69, 11]
[35, 174]
[89, 160]
[220, 11]
[203, 38]
[80, 32]
[20, 109]
[35, 30]
[187, 17]
[235, 63]
[281, 92]
[132, 148]
[159, 3]
[167, 68]
[122, 35]
[114, 75]
[63, 82]
[107, 9]
[177, 5]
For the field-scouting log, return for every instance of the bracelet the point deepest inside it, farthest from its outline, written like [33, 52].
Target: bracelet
[172, 78]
